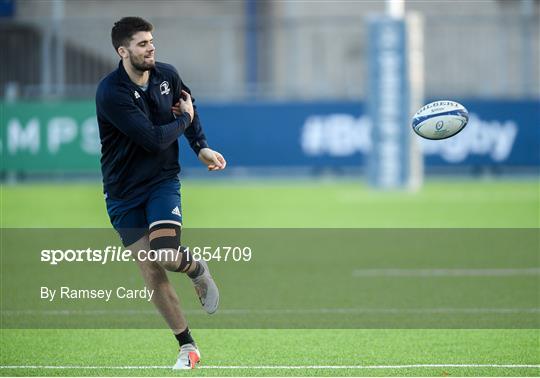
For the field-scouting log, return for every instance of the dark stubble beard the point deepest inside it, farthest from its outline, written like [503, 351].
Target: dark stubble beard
[140, 66]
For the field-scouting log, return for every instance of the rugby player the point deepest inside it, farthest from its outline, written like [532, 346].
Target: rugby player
[142, 108]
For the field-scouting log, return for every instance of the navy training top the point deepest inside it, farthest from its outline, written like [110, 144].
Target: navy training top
[139, 132]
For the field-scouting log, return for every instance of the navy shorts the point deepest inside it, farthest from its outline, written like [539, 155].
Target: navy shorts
[133, 218]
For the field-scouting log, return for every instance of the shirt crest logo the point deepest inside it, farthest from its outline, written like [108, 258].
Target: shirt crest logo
[164, 88]
[137, 95]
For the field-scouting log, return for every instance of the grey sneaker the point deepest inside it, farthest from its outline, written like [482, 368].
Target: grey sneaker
[206, 289]
[188, 357]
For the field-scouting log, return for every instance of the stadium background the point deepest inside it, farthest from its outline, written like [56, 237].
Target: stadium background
[283, 90]
[250, 61]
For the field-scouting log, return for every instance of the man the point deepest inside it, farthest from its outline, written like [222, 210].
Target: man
[142, 109]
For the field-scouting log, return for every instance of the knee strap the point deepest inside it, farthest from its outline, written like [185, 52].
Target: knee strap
[186, 260]
[166, 236]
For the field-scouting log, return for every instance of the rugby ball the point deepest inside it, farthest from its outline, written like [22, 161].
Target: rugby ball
[440, 119]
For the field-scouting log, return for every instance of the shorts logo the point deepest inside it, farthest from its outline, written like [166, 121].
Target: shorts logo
[164, 88]
[176, 211]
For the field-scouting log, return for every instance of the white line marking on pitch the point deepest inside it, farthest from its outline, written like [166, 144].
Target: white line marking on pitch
[504, 366]
[398, 272]
[278, 311]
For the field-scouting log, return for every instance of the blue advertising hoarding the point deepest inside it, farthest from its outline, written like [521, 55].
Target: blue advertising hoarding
[500, 133]
[63, 136]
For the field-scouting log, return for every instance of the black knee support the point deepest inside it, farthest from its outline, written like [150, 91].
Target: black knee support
[166, 236]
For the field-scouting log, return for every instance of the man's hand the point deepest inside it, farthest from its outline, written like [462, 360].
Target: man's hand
[212, 159]
[184, 105]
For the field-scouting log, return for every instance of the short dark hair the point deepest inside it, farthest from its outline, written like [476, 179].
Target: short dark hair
[123, 30]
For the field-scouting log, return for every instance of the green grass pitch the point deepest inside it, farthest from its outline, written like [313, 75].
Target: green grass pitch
[282, 352]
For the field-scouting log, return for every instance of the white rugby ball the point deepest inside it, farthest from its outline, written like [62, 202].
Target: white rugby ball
[440, 119]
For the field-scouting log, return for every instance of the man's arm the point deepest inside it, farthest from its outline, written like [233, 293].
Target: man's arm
[212, 159]
[121, 111]
[195, 134]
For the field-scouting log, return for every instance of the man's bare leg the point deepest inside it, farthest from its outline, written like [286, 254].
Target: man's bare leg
[164, 298]
[166, 301]
[164, 238]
